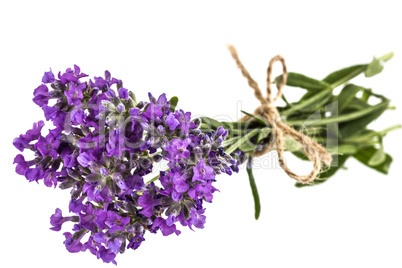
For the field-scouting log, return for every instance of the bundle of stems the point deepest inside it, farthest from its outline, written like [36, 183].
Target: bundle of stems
[338, 122]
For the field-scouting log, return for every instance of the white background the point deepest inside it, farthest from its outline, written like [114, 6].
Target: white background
[353, 220]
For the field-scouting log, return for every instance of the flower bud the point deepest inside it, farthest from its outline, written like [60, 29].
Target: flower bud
[140, 105]
[121, 168]
[206, 149]
[219, 131]
[73, 174]
[197, 122]
[108, 105]
[156, 158]
[120, 108]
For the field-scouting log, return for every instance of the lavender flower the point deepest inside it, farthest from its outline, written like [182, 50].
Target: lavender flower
[103, 147]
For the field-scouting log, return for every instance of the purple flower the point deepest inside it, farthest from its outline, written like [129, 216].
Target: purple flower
[76, 204]
[134, 182]
[101, 216]
[74, 94]
[57, 220]
[115, 245]
[123, 93]
[197, 219]
[153, 112]
[156, 109]
[107, 82]
[164, 227]
[116, 222]
[69, 158]
[175, 184]
[100, 238]
[22, 165]
[67, 77]
[84, 159]
[205, 191]
[172, 122]
[177, 149]
[203, 172]
[115, 146]
[103, 145]
[147, 203]
[179, 182]
[22, 142]
[77, 116]
[41, 95]
[34, 133]
[50, 178]
[73, 243]
[33, 174]
[90, 142]
[77, 72]
[185, 121]
[92, 245]
[106, 255]
[94, 193]
[50, 112]
[71, 76]
[87, 219]
[48, 146]
[136, 241]
[48, 77]
[59, 119]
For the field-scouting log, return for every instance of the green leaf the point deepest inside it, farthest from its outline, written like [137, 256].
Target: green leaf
[384, 167]
[247, 147]
[356, 104]
[230, 141]
[93, 177]
[244, 139]
[301, 155]
[173, 103]
[370, 114]
[153, 179]
[211, 123]
[365, 154]
[377, 158]
[236, 125]
[307, 102]
[367, 135]
[257, 118]
[366, 95]
[132, 96]
[376, 110]
[347, 149]
[324, 176]
[314, 107]
[299, 80]
[291, 145]
[375, 67]
[341, 76]
[346, 96]
[264, 133]
[254, 190]
[387, 56]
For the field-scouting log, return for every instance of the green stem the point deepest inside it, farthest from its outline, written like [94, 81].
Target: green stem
[257, 205]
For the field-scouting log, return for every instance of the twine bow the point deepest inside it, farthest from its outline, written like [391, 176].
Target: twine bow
[267, 110]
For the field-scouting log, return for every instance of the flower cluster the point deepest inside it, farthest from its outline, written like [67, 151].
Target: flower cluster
[102, 145]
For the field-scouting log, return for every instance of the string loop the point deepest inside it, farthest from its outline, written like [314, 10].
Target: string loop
[268, 110]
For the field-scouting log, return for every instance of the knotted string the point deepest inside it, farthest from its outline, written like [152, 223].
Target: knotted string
[267, 110]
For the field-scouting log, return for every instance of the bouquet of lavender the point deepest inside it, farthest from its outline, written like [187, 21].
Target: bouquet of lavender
[104, 144]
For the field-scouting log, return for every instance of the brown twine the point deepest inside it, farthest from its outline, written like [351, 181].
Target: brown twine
[267, 110]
